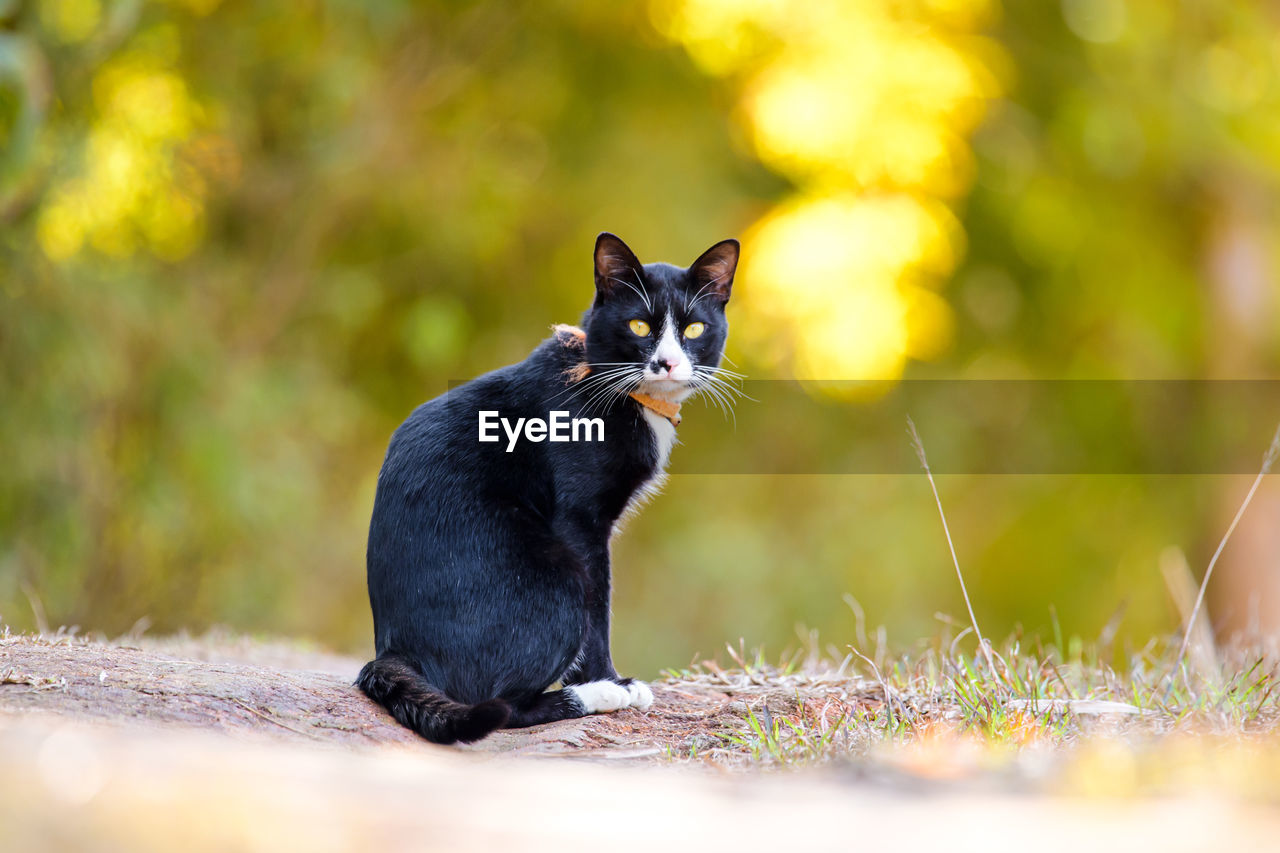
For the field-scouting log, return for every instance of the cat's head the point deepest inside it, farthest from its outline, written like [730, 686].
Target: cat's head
[664, 323]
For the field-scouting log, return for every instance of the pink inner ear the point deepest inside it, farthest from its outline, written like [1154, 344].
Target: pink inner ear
[614, 259]
[716, 271]
[718, 263]
[615, 267]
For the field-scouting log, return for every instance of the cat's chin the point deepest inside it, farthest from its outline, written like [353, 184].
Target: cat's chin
[674, 390]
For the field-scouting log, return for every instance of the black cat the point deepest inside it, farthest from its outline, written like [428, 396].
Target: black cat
[489, 560]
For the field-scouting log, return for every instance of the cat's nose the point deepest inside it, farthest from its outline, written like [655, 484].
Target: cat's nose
[660, 364]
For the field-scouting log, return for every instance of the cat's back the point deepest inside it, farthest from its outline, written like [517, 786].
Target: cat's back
[441, 437]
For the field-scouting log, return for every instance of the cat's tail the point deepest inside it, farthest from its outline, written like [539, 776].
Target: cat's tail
[394, 682]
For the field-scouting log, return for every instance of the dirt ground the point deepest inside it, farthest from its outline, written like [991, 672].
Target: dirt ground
[226, 744]
[282, 693]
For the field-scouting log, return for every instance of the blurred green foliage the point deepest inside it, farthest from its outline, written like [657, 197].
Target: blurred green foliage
[242, 241]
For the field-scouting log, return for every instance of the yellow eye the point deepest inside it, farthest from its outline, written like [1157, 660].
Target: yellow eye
[694, 329]
[640, 327]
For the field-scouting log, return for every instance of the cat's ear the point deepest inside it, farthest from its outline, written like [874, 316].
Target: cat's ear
[616, 265]
[713, 271]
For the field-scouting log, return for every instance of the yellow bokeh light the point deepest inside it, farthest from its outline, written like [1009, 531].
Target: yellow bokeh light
[864, 338]
[70, 20]
[720, 35]
[833, 269]
[879, 113]
[930, 324]
[59, 230]
[865, 105]
[153, 103]
[131, 195]
[849, 237]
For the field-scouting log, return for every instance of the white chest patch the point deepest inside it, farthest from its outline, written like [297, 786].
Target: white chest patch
[664, 438]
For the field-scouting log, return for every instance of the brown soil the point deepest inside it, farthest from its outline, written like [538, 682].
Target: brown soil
[226, 684]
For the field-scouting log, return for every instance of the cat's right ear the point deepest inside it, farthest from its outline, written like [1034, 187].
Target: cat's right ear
[616, 265]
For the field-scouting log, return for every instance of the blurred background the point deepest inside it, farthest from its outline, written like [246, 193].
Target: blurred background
[241, 241]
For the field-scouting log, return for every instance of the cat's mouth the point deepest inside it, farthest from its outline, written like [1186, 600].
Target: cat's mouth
[667, 388]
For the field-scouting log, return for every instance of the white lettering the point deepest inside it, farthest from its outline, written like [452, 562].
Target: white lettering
[560, 427]
[587, 424]
[513, 435]
[487, 424]
[559, 424]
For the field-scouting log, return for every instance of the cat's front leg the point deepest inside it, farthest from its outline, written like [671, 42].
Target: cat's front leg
[639, 694]
[595, 660]
[595, 665]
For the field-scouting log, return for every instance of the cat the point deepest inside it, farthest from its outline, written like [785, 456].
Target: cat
[488, 563]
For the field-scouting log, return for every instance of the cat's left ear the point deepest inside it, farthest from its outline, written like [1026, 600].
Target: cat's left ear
[713, 271]
[616, 265]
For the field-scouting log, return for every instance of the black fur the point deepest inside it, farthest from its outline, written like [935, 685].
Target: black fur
[489, 571]
[394, 682]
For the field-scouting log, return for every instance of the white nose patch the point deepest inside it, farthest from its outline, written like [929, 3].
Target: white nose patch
[669, 352]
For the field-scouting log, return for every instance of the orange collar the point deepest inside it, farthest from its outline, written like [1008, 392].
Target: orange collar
[574, 339]
[661, 408]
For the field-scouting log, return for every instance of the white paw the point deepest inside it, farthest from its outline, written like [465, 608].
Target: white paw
[601, 696]
[641, 696]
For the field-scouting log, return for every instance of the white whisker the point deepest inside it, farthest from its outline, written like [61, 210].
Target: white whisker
[610, 391]
[711, 384]
[591, 381]
[640, 281]
[688, 306]
[641, 292]
[721, 371]
[718, 397]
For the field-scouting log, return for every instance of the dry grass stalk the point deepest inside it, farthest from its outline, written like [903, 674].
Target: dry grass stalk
[924, 462]
[1201, 651]
[1267, 461]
